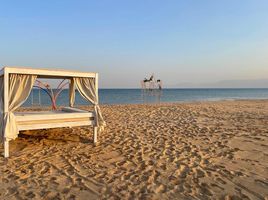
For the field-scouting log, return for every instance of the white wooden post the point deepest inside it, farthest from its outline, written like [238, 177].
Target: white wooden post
[6, 148]
[95, 135]
[6, 86]
[95, 129]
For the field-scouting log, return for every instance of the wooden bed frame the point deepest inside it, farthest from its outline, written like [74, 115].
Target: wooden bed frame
[53, 119]
[66, 117]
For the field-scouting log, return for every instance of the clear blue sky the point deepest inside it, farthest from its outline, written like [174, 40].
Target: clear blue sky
[180, 41]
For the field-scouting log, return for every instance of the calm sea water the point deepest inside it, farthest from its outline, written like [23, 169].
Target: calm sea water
[136, 96]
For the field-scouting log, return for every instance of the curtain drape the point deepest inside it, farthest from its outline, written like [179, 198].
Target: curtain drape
[71, 93]
[1, 106]
[86, 87]
[19, 89]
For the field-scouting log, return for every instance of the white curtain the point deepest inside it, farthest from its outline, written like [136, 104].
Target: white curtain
[1, 106]
[19, 89]
[71, 93]
[86, 87]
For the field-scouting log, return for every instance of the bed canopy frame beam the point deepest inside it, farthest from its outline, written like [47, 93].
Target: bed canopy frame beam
[46, 73]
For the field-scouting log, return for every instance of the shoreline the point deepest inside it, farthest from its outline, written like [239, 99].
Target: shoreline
[183, 102]
[157, 103]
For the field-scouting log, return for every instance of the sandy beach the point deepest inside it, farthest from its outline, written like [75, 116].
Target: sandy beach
[202, 150]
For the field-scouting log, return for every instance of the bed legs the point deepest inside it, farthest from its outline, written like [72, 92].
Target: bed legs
[6, 148]
[95, 134]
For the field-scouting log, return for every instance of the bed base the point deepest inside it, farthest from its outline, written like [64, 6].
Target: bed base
[67, 117]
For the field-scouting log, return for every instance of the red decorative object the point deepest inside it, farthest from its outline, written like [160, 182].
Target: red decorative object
[52, 93]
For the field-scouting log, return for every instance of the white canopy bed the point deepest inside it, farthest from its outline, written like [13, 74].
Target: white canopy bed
[15, 86]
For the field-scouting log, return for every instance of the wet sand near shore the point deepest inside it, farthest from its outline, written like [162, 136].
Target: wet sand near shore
[201, 150]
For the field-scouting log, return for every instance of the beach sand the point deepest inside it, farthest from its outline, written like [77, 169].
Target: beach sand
[208, 150]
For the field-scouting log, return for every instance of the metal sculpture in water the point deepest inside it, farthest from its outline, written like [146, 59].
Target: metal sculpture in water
[151, 89]
[151, 84]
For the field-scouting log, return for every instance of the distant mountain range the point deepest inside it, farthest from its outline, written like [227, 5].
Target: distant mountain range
[258, 83]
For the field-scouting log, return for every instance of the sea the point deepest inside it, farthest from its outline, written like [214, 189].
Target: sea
[138, 96]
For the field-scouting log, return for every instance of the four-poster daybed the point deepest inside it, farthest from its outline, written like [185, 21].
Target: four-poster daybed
[15, 86]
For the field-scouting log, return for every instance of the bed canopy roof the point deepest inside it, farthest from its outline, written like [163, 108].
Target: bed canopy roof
[16, 84]
[46, 73]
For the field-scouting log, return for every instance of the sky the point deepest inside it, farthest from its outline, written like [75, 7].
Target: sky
[181, 42]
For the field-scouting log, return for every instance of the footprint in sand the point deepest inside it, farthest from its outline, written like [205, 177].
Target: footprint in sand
[263, 183]
[182, 171]
[198, 173]
[4, 180]
[220, 181]
[30, 194]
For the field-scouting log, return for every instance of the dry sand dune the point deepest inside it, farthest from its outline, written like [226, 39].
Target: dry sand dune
[212, 150]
